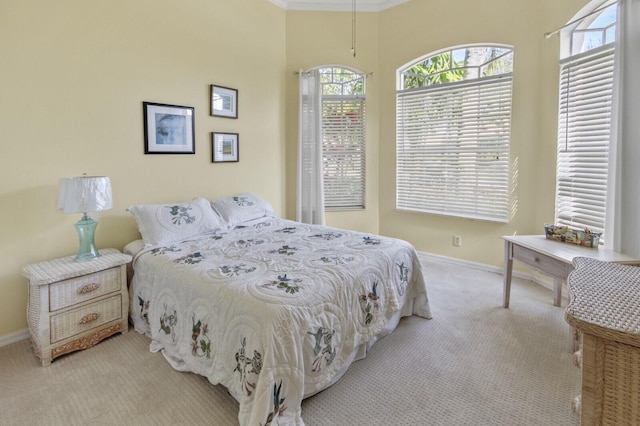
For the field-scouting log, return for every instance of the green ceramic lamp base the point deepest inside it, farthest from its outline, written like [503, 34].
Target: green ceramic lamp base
[86, 228]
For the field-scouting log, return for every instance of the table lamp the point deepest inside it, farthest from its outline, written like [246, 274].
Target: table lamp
[84, 194]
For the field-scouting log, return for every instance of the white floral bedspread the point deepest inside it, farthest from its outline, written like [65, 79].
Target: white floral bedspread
[275, 311]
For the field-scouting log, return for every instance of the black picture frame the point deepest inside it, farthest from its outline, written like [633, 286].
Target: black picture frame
[225, 147]
[224, 102]
[168, 129]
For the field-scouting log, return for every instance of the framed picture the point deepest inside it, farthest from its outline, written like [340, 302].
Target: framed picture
[168, 129]
[224, 147]
[224, 102]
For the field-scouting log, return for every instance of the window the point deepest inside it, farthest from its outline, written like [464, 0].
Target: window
[453, 131]
[586, 87]
[343, 137]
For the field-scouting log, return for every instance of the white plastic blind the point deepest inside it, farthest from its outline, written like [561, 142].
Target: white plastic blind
[343, 139]
[586, 84]
[453, 149]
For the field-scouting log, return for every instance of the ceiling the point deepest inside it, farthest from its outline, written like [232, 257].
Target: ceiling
[337, 5]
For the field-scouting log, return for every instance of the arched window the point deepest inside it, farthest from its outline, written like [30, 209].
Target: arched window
[594, 31]
[584, 120]
[343, 137]
[453, 131]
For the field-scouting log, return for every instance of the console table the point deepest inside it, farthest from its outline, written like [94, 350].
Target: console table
[604, 307]
[553, 258]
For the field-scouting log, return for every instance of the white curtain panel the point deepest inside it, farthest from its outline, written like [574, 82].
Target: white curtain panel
[623, 202]
[310, 194]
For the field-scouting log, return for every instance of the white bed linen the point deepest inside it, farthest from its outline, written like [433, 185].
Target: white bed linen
[275, 311]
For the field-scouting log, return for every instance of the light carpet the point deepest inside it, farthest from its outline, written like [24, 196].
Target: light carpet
[475, 363]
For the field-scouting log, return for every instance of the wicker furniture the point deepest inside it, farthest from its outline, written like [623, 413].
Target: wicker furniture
[605, 307]
[551, 258]
[74, 305]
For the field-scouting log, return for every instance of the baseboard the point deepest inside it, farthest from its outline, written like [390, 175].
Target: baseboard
[14, 337]
[530, 276]
[473, 265]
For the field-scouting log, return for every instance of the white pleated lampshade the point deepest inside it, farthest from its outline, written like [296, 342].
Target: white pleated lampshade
[83, 194]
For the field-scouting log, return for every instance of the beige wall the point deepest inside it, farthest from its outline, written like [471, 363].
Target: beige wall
[74, 76]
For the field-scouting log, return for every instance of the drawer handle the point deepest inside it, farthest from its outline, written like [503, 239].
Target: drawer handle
[88, 318]
[88, 288]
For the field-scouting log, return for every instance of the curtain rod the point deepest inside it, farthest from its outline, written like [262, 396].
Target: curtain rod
[575, 21]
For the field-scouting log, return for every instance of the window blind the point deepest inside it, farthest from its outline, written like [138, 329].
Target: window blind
[453, 148]
[584, 122]
[343, 139]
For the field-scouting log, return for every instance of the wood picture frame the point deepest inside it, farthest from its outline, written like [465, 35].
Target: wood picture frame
[224, 102]
[168, 129]
[225, 147]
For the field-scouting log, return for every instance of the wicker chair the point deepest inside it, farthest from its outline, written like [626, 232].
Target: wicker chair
[605, 308]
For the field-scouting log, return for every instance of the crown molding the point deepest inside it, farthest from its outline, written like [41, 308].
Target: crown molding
[337, 5]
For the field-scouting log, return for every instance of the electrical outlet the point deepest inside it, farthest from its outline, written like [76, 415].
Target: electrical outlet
[457, 240]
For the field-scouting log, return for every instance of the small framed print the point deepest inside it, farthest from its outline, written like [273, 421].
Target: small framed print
[224, 102]
[224, 147]
[168, 129]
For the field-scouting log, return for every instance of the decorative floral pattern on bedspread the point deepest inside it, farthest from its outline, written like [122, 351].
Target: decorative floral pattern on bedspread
[247, 366]
[278, 405]
[201, 343]
[275, 311]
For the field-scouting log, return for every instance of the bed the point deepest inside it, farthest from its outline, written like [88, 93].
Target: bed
[272, 309]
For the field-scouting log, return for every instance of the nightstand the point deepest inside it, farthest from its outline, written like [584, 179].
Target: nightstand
[604, 308]
[74, 305]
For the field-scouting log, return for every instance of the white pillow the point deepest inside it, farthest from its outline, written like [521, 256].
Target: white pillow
[240, 208]
[167, 223]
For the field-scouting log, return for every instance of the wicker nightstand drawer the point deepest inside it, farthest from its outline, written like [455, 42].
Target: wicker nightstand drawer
[77, 290]
[76, 321]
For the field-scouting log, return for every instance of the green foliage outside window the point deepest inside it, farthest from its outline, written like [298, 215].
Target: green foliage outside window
[459, 65]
